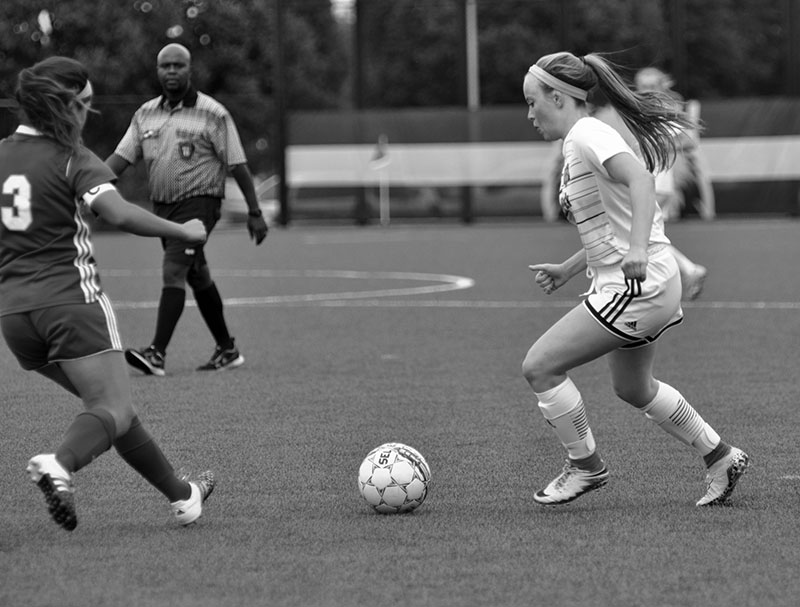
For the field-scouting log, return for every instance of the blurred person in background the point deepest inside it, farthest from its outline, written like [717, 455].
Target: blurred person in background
[55, 317]
[693, 275]
[687, 180]
[189, 143]
[608, 193]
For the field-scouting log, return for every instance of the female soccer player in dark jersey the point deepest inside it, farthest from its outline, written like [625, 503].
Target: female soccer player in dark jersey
[54, 315]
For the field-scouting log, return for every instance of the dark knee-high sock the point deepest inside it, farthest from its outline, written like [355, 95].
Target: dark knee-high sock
[140, 452]
[210, 304]
[89, 435]
[170, 308]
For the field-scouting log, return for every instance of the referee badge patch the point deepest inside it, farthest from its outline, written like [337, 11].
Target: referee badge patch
[186, 149]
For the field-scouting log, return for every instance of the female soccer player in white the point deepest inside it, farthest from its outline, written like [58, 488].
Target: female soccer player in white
[608, 193]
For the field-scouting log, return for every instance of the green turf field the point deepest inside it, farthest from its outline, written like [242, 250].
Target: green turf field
[415, 333]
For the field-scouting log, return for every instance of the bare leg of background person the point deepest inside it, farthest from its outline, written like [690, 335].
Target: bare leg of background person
[693, 275]
[707, 207]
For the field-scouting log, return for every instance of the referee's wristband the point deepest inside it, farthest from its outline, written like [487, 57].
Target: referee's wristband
[254, 213]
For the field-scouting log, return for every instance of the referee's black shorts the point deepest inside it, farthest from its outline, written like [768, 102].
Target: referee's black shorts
[205, 208]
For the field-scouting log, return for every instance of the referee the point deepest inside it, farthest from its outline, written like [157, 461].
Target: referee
[189, 143]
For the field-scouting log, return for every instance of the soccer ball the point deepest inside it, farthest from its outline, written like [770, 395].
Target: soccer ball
[394, 478]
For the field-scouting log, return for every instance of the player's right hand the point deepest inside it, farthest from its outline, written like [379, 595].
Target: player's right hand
[548, 276]
[195, 231]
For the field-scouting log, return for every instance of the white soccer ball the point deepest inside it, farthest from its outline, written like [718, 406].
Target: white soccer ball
[394, 478]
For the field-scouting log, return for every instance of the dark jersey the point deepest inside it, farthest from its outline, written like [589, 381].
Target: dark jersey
[46, 253]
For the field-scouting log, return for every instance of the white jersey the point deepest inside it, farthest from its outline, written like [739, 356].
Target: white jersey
[665, 179]
[598, 205]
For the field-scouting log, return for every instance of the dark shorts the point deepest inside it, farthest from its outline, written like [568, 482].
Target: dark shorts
[204, 208]
[61, 333]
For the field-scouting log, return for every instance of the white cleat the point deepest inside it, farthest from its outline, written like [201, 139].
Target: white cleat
[571, 484]
[189, 510]
[722, 477]
[56, 485]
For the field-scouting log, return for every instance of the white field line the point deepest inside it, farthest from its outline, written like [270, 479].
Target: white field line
[377, 298]
[538, 305]
[383, 237]
[442, 284]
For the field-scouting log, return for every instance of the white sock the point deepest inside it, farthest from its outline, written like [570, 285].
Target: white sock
[563, 409]
[677, 417]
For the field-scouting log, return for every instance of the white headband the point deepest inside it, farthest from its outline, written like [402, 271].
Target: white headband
[559, 85]
[85, 92]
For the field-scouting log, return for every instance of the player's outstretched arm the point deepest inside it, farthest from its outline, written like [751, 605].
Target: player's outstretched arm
[551, 276]
[123, 215]
[117, 164]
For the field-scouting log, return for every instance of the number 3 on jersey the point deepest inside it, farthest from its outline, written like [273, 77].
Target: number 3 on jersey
[16, 215]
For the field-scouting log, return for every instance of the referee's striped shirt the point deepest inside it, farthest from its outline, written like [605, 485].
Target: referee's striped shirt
[187, 148]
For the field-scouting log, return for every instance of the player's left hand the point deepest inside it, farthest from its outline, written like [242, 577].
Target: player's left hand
[634, 264]
[257, 228]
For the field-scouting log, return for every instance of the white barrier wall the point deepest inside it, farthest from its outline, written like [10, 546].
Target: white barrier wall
[515, 163]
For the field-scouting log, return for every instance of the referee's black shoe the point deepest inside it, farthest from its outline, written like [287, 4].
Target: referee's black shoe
[148, 360]
[223, 358]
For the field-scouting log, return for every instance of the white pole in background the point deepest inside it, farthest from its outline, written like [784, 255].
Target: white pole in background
[380, 162]
[473, 93]
[383, 188]
[473, 68]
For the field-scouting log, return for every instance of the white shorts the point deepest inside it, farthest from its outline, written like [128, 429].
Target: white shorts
[638, 312]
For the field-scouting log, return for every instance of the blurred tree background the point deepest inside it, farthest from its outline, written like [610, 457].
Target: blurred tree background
[409, 53]
[713, 48]
[233, 56]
